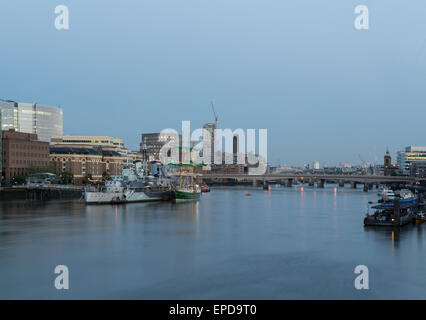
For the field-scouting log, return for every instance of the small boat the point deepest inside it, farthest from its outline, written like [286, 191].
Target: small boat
[405, 197]
[205, 188]
[420, 216]
[386, 193]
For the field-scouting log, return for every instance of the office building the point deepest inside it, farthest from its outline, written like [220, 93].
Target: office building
[45, 121]
[410, 156]
[21, 151]
[211, 127]
[153, 142]
[418, 169]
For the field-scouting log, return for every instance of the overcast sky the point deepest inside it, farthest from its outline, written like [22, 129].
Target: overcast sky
[324, 90]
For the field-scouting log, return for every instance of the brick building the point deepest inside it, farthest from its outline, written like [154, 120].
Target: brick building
[84, 162]
[20, 151]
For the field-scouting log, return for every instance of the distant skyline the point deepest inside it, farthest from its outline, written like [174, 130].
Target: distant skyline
[324, 90]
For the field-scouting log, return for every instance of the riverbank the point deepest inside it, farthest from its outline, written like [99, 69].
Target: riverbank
[40, 193]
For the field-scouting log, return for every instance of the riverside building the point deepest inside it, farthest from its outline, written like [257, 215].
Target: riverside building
[86, 162]
[410, 156]
[21, 151]
[104, 142]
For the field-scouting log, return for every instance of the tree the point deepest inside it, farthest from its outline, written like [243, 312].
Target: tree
[105, 176]
[36, 169]
[66, 177]
[87, 178]
[16, 180]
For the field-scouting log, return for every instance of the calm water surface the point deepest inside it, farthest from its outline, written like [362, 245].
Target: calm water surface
[287, 243]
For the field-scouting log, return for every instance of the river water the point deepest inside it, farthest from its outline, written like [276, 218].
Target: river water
[286, 243]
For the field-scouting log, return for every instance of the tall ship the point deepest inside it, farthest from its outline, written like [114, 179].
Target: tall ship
[185, 189]
[132, 185]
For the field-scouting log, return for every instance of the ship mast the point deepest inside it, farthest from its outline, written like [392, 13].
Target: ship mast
[192, 176]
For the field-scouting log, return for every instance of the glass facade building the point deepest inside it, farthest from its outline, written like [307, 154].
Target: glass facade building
[412, 155]
[45, 121]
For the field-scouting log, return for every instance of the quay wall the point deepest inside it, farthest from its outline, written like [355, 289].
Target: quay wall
[39, 193]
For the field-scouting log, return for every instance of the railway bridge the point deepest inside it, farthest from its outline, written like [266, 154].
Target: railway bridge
[368, 181]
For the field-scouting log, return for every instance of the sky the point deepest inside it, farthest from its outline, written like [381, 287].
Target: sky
[324, 90]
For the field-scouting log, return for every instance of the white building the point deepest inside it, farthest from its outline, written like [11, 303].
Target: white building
[316, 165]
[346, 165]
[103, 141]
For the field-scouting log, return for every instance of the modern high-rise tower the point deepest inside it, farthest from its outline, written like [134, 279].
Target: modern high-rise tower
[211, 127]
[45, 121]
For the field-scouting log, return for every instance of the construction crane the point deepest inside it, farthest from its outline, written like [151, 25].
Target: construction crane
[364, 164]
[216, 118]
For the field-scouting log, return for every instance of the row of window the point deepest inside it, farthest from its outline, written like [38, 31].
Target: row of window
[28, 146]
[82, 160]
[28, 162]
[17, 172]
[26, 154]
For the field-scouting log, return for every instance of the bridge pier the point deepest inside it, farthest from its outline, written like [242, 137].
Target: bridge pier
[321, 183]
[256, 183]
[367, 186]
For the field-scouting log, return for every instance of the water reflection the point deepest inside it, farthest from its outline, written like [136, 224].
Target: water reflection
[227, 245]
[389, 234]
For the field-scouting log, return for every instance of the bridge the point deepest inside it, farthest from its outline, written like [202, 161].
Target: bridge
[288, 179]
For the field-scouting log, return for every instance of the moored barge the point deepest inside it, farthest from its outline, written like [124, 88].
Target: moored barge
[398, 215]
